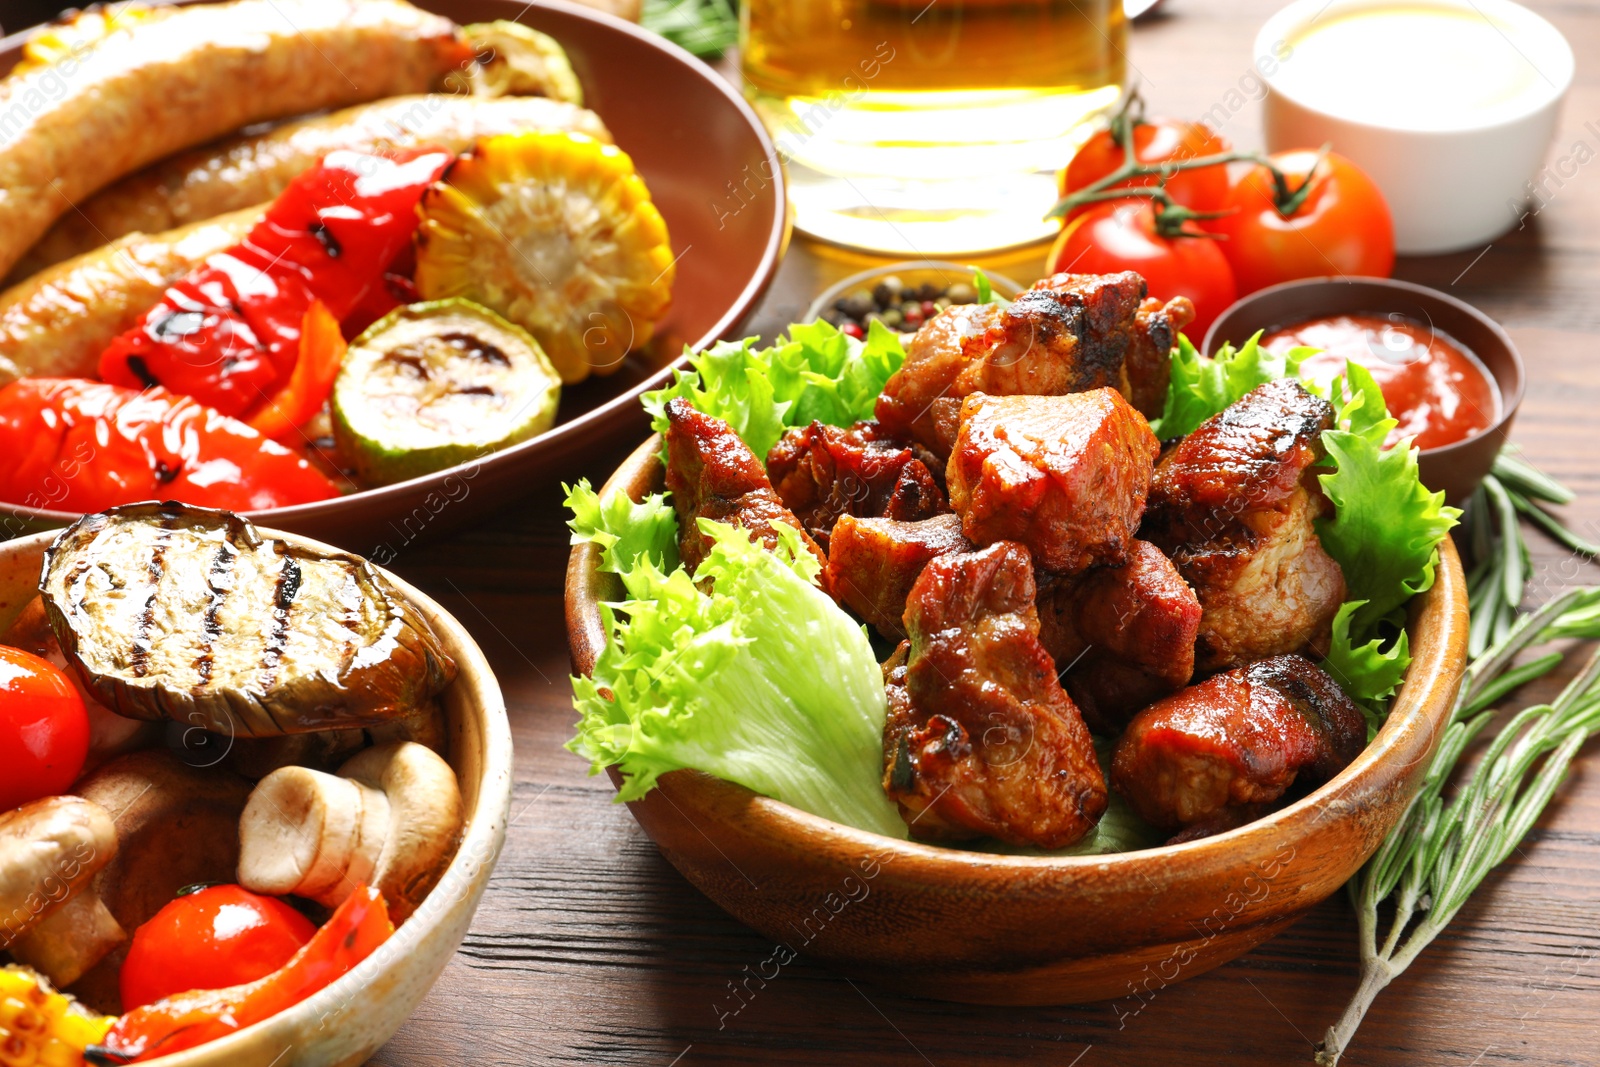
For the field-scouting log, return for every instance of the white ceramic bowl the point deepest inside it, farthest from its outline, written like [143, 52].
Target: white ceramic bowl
[345, 1023]
[1452, 182]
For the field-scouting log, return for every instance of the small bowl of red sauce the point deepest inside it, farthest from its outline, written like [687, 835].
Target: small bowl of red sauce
[1449, 373]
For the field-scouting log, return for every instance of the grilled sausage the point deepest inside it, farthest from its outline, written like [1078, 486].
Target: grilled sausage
[57, 323]
[253, 168]
[165, 84]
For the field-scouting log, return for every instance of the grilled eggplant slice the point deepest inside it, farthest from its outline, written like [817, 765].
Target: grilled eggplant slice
[171, 612]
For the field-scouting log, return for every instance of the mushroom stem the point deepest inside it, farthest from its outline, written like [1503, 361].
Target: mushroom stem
[390, 818]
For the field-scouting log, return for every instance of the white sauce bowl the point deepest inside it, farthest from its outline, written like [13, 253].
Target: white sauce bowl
[1450, 105]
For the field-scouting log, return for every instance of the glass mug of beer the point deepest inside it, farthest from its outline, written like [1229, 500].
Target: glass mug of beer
[929, 127]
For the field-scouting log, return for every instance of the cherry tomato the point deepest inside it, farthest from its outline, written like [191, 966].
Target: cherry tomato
[1343, 227]
[44, 729]
[217, 937]
[1121, 235]
[1157, 141]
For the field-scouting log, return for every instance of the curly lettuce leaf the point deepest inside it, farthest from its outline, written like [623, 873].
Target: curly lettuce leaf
[1202, 386]
[1370, 672]
[763, 681]
[625, 531]
[815, 373]
[1386, 527]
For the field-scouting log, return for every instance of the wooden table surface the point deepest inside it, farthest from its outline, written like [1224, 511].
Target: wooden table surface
[589, 948]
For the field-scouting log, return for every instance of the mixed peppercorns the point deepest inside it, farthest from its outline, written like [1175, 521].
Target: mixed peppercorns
[897, 305]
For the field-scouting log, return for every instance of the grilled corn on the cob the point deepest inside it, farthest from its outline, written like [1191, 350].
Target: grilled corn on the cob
[40, 1027]
[556, 232]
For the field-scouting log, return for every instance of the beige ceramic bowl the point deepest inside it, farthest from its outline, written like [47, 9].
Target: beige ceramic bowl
[985, 928]
[345, 1023]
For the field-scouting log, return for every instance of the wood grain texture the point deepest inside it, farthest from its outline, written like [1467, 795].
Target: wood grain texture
[590, 949]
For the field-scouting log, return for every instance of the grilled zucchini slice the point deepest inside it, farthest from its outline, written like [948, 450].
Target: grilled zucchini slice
[185, 614]
[432, 385]
[556, 232]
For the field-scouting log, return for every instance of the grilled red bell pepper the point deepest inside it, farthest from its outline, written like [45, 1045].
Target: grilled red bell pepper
[356, 928]
[71, 444]
[322, 349]
[228, 333]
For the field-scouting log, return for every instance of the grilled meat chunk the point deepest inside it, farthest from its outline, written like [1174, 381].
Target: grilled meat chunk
[1064, 475]
[713, 475]
[874, 562]
[1233, 506]
[1122, 635]
[1149, 358]
[167, 611]
[981, 739]
[1065, 338]
[822, 472]
[1240, 738]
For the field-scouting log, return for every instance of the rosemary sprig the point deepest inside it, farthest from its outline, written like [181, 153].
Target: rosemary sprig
[706, 28]
[1440, 851]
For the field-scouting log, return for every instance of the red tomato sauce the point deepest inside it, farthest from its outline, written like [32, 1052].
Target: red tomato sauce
[1432, 384]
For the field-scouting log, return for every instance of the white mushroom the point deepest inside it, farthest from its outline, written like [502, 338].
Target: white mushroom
[390, 818]
[49, 918]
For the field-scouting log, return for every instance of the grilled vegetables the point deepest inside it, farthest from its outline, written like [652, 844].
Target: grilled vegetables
[63, 840]
[390, 818]
[169, 82]
[252, 168]
[45, 1027]
[433, 385]
[556, 232]
[181, 613]
[516, 60]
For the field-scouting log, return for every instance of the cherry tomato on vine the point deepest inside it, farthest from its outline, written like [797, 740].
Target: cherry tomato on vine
[44, 729]
[1341, 226]
[1122, 235]
[1154, 142]
[213, 938]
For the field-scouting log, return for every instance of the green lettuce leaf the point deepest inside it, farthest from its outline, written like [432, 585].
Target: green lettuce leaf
[1387, 526]
[1369, 673]
[763, 681]
[1202, 386]
[626, 532]
[815, 373]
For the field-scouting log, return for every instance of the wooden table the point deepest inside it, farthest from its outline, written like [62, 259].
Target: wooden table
[589, 948]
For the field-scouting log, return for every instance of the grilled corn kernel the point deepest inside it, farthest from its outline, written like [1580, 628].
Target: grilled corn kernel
[556, 232]
[40, 1027]
[72, 36]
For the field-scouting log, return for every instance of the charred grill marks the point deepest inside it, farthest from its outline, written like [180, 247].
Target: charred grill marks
[155, 569]
[219, 581]
[287, 585]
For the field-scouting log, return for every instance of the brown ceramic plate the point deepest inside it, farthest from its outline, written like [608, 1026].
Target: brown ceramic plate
[984, 928]
[347, 1021]
[1455, 468]
[690, 135]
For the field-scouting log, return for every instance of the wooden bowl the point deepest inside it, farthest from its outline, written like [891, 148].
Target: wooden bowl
[1456, 468]
[991, 929]
[692, 137]
[346, 1023]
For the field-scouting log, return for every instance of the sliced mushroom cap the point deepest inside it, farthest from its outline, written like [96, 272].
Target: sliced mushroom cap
[187, 614]
[390, 818]
[49, 851]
